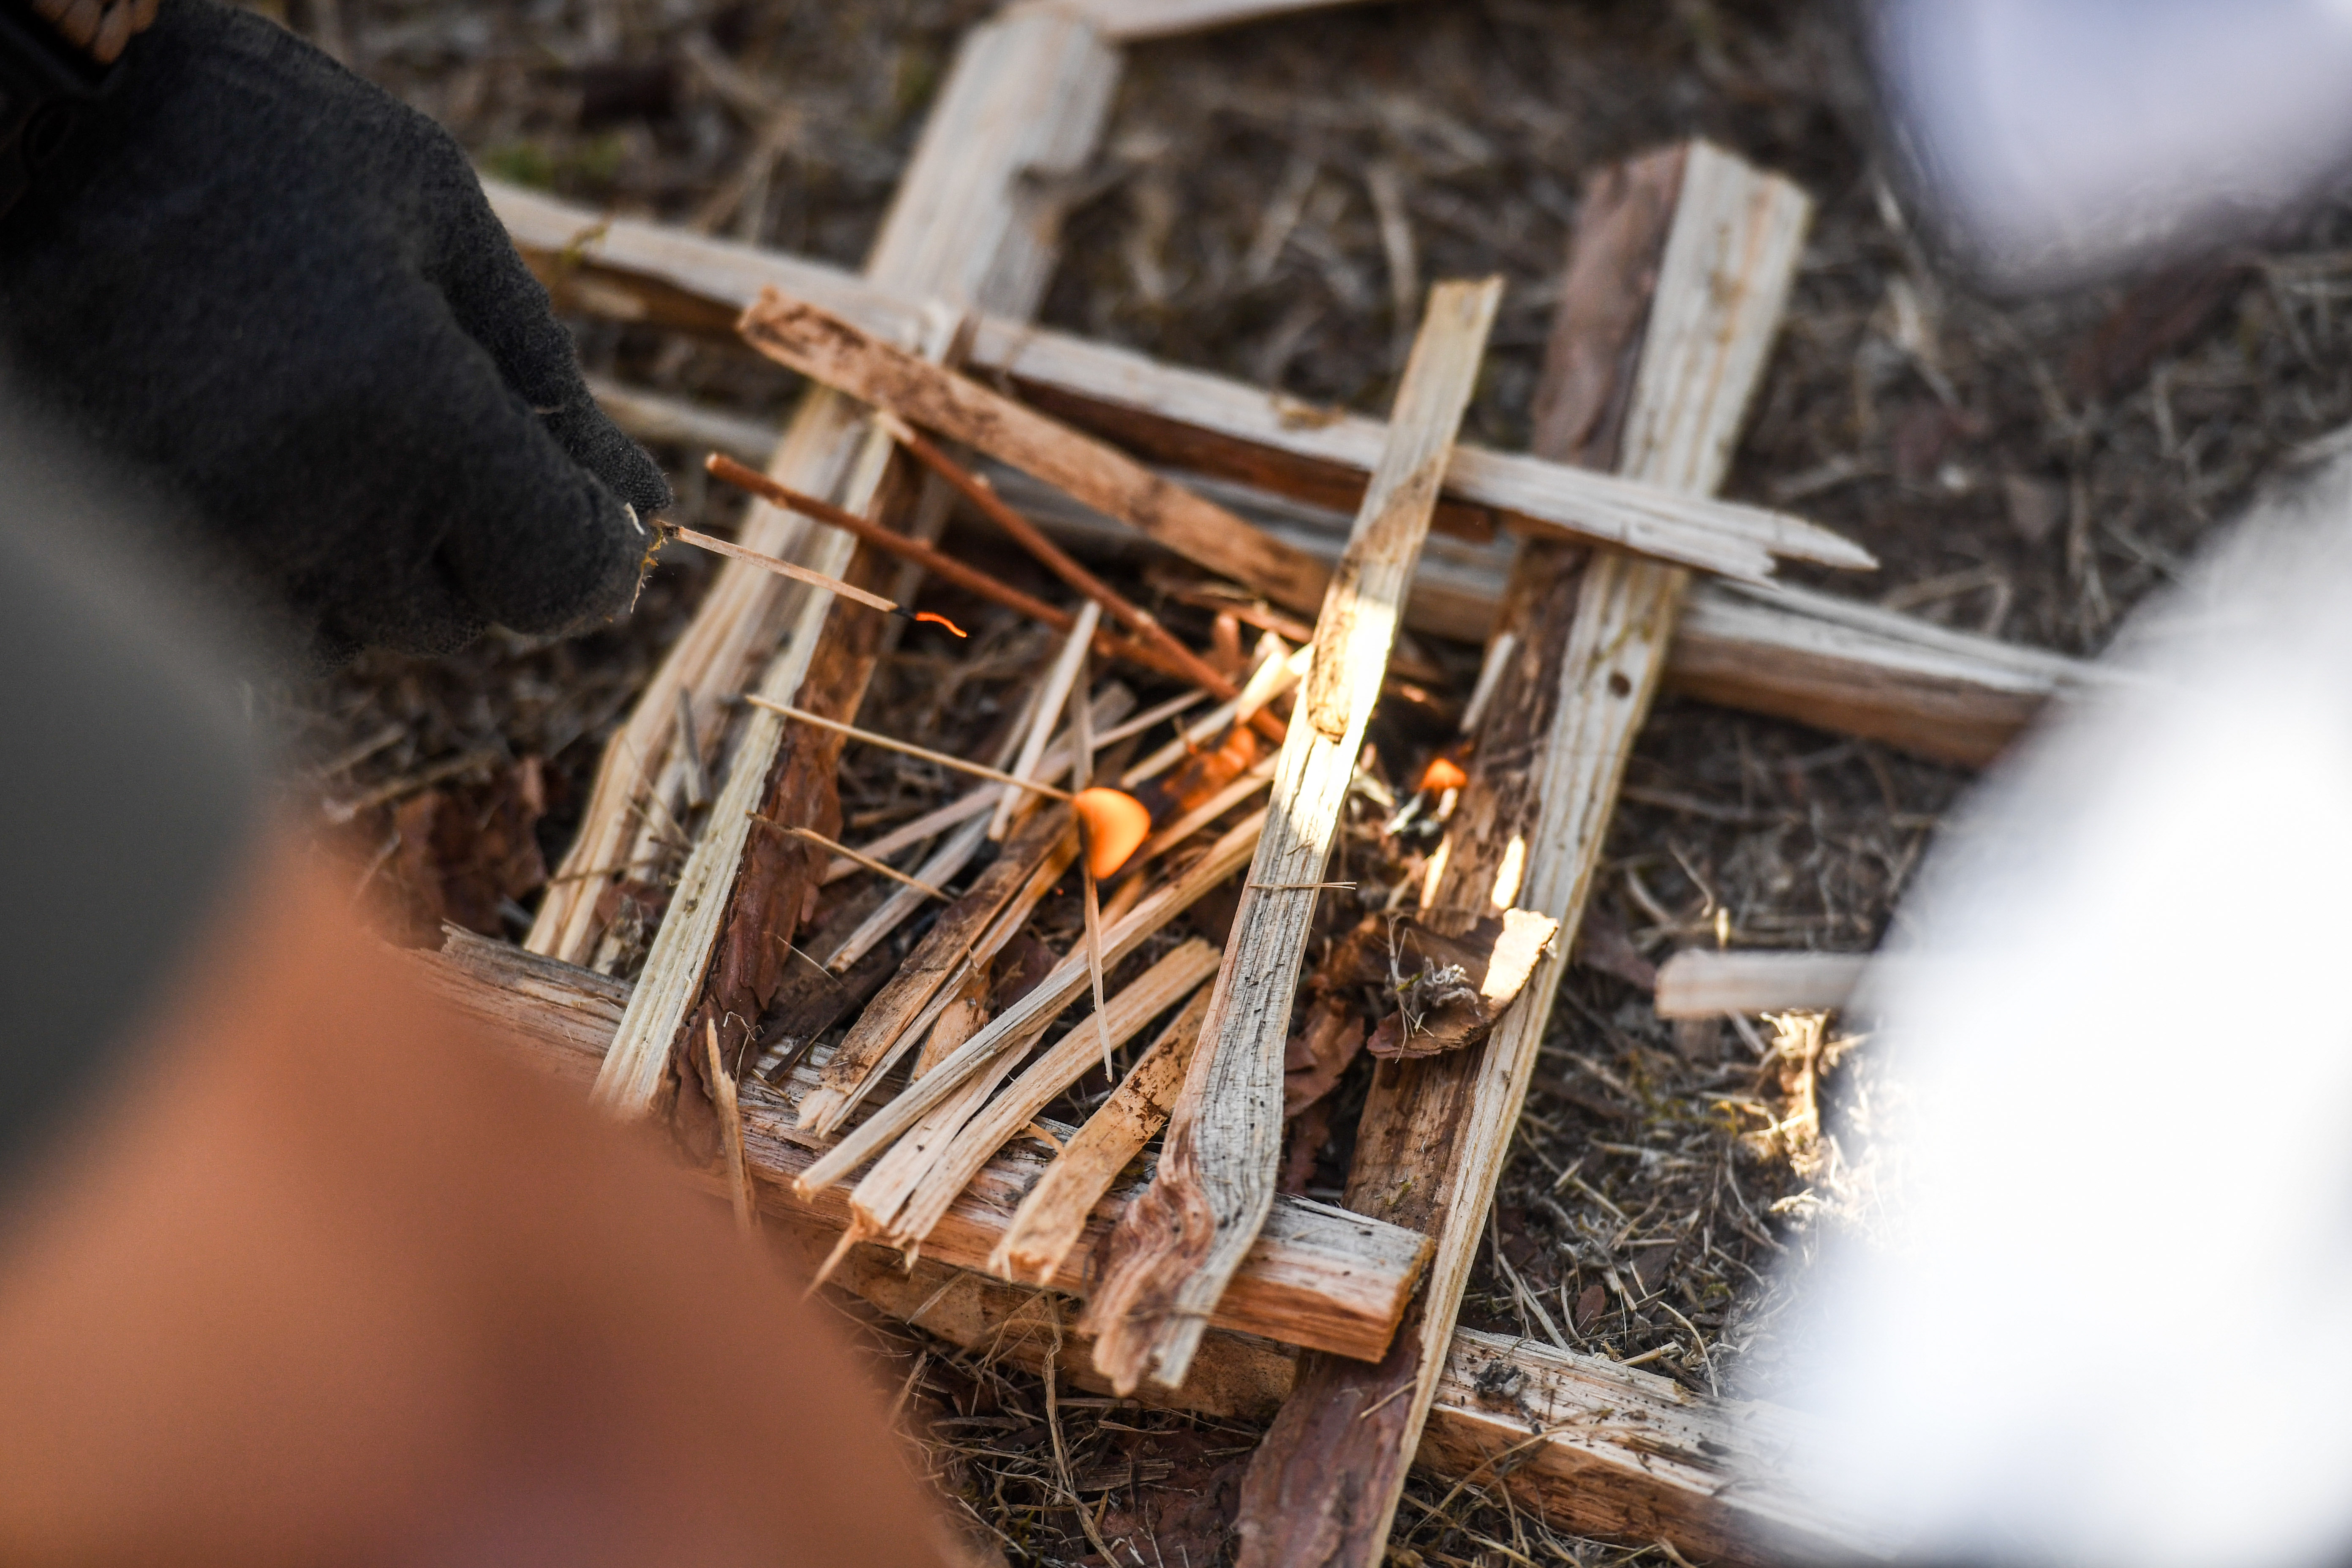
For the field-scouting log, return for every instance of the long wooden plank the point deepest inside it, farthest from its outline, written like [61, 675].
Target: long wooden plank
[1318, 1276]
[1177, 1247]
[1587, 639]
[1769, 648]
[975, 221]
[1195, 420]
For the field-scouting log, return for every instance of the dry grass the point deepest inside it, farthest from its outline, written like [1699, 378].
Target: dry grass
[1269, 204]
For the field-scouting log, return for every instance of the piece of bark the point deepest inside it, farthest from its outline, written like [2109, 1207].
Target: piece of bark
[838, 353]
[1023, 1021]
[777, 875]
[1177, 1248]
[1588, 641]
[976, 219]
[1454, 989]
[1067, 1060]
[1189, 418]
[1615, 1452]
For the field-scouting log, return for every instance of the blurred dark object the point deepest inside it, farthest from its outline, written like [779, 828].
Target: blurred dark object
[615, 92]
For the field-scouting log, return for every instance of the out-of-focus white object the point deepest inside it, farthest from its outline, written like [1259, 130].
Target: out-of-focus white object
[2112, 1321]
[2050, 143]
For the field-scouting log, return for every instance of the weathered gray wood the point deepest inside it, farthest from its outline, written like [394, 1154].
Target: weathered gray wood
[1177, 1247]
[1189, 419]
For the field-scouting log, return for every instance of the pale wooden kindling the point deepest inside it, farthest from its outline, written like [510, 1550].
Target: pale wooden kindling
[1177, 1247]
[1318, 1276]
[975, 221]
[1053, 1217]
[1028, 1017]
[1614, 1452]
[1160, 988]
[1701, 984]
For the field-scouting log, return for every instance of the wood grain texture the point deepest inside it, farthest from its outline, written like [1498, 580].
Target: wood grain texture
[1191, 418]
[882, 1030]
[1318, 1276]
[1177, 1248]
[839, 353]
[976, 221]
[1701, 249]
[1062, 1065]
[1047, 1224]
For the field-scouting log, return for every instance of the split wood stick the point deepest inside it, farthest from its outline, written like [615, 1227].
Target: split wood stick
[886, 1183]
[1209, 424]
[1023, 101]
[1028, 1017]
[884, 1190]
[957, 765]
[875, 1040]
[827, 348]
[984, 798]
[1054, 559]
[1148, 718]
[730, 1140]
[1179, 974]
[814, 579]
[1700, 984]
[1588, 639]
[1178, 1246]
[1051, 698]
[948, 861]
[1622, 1454]
[1052, 1218]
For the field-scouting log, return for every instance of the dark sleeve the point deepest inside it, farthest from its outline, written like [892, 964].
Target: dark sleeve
[129, 798]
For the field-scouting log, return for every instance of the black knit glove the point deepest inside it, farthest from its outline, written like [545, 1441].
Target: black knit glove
[277, 295]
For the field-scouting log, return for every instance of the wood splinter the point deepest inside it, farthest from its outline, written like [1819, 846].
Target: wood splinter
[798, 574]
[977, 770]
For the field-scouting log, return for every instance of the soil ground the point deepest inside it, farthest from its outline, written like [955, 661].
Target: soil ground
[2026, 470]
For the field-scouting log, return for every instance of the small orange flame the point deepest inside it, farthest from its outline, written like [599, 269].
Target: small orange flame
[940, 621]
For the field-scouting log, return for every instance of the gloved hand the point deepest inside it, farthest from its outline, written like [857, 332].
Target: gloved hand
[278, 297]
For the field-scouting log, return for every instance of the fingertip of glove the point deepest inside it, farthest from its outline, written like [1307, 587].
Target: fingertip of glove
[627, 469]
